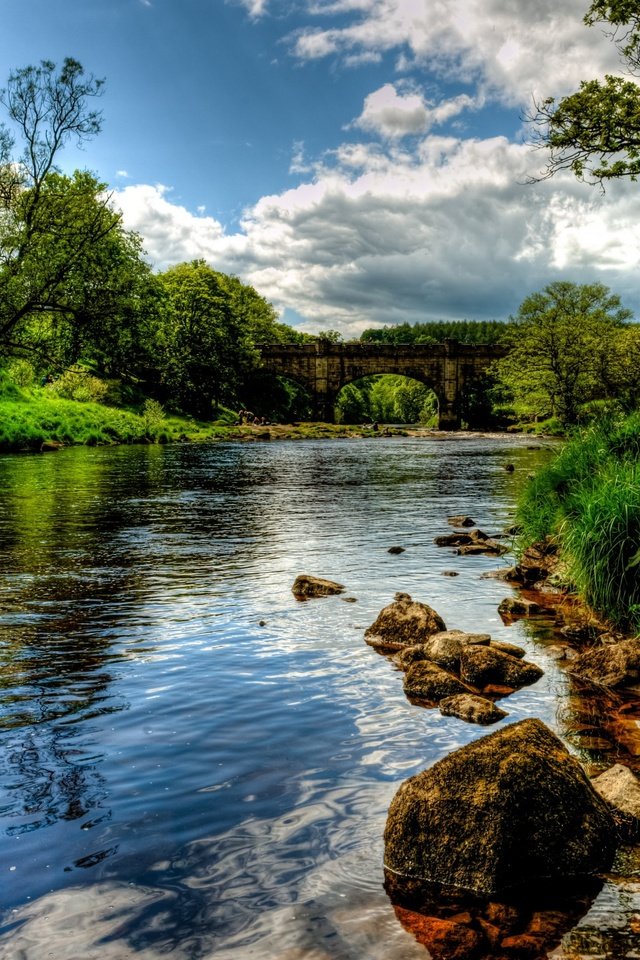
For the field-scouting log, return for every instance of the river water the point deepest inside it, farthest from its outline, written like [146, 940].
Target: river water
[194, 764]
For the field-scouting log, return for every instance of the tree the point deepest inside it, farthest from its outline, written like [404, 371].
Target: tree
[559, 355]
[595, 132]
[58, 269]
[50, 225]
[204, 347]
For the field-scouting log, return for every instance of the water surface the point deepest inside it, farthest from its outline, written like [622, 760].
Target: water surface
[192, 763]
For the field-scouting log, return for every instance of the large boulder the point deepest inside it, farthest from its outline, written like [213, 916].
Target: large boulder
[512, 808]
[485, 666]
[403, 623]
[426, 681]
[615, 665]
[306, 586]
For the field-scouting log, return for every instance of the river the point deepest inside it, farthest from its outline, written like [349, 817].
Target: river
[194, 764]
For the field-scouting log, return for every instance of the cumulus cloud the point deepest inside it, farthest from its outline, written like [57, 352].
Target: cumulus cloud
[445, 232]
[512, 50]
[418, 226]
[171, 233]
[395, 114]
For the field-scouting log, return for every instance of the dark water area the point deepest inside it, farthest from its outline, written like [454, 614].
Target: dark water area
[192, 763]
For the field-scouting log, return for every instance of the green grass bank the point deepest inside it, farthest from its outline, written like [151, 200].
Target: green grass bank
[588, 499]
[33, 416]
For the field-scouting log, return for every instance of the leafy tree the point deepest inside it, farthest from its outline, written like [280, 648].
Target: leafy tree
[51, 227]
[66, 269]
[595, 132]
[559, 354]
[204, 347]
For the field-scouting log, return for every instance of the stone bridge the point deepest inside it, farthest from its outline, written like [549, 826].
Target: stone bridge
[323, 369]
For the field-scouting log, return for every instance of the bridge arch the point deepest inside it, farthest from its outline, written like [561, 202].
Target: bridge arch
[387, 398]
[323, 368]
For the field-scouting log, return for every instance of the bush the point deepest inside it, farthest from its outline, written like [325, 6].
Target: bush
[78, 384]
[152, 416]
[21, 372]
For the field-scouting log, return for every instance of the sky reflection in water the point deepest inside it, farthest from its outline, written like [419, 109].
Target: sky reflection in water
[192, 762]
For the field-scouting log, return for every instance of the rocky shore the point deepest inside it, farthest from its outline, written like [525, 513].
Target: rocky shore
[499, 848]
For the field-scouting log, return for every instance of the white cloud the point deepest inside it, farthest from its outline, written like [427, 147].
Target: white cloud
[394, 114]
[380, 237]
[255, 8]
[171, 233]
[511, 50]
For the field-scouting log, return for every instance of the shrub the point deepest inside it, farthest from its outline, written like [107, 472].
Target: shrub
[78, 384]
[152, 416]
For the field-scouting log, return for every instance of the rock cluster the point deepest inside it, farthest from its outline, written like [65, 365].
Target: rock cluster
[612, 665]
[471, 542]
[442, 664]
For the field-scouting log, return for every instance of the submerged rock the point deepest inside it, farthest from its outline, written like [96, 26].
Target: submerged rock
[484, 666]
[403, 623]
[461, 521]
[427, 681]
[473, 709]
[520, 607]
[395, 550]
[488, 546]
[512, 808]
[615, 665]
[306, 586]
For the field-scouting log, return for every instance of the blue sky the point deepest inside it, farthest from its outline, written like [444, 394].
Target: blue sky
[358, 161]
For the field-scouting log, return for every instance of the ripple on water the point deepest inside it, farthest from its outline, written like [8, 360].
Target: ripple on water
[194, 763]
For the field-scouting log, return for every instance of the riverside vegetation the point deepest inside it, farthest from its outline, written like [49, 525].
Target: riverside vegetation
[98, 348]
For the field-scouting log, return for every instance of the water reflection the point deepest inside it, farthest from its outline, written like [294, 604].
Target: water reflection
[192, 762]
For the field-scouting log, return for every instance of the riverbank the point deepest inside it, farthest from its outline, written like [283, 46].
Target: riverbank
[35, 418]
[586, 504]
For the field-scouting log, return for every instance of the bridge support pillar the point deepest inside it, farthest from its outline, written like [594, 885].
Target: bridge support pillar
[323, 407]
[449, 416]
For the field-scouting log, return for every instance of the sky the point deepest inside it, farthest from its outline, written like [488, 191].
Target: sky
[359, 162]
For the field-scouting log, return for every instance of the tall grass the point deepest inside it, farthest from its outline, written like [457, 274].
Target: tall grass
[588, 499]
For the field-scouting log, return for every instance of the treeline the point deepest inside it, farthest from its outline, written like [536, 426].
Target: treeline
[437, 331]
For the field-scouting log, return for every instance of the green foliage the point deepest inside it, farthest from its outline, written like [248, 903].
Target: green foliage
[78, 384]
[153, 417]
[588, 498]
[595, 132]
[21, 372]
[465, 331]
[386, 398]
[563, 351]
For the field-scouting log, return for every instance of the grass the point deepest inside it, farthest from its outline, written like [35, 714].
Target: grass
[31, 416]
[588, 499]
